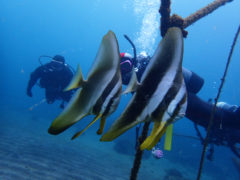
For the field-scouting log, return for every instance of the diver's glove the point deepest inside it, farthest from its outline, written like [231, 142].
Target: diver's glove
[29, 92]
[227, 107]
[233, 109]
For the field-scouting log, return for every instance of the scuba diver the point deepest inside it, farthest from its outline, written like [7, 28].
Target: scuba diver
[54, 77]
[226, 126]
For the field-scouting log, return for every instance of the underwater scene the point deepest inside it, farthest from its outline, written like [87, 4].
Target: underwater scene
[120, 89]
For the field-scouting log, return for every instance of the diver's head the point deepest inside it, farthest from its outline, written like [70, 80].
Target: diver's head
[142, 55]
[126, 63]
[59, 59]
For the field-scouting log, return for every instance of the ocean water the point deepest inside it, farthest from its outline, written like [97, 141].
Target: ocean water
[74, 29]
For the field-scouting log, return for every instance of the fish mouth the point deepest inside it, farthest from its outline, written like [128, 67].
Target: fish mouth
[55, 131]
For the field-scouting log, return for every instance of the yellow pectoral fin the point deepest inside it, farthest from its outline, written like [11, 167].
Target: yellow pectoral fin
[157, 126]
[168, 138]
[79, 133]
[102, 124]
[157, 138]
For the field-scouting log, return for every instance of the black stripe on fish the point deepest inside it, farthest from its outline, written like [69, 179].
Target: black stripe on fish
[172, 92]
[116, 95]
[106, 92]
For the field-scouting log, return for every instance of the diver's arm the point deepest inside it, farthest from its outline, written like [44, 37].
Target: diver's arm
[33, 79]
[192, 80]
[200, 111]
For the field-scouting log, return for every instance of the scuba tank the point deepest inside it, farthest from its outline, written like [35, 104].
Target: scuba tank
[46, 56]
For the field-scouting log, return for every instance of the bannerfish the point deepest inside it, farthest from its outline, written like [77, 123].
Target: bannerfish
[99, 94]
[160, 96]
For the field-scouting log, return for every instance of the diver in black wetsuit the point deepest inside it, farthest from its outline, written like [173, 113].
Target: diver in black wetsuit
[54, 77]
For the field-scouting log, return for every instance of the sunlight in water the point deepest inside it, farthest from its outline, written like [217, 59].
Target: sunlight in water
[147, 11]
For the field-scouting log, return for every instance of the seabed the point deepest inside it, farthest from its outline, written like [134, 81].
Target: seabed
[27, 151]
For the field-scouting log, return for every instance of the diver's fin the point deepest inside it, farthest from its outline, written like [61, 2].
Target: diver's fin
[102, 124]
[79, 133]
[133, 84]
[77, 81]
[168, 138]
[157, 127]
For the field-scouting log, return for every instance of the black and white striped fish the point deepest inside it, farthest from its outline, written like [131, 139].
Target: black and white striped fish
[99, 94]
[161, 95]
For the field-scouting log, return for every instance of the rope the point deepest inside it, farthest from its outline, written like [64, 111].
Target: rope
[215, 105]
[139, 153]
[165, 16]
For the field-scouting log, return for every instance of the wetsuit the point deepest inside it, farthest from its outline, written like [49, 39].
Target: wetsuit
[198, 110]
[54, 77]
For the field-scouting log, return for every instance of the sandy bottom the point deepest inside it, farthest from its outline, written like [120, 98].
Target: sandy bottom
[27, 151]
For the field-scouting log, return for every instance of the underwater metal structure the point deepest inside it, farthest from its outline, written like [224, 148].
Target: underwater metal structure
[168, 21]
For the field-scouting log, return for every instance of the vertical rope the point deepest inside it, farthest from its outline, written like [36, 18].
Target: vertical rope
[139, 153]
[215, 105]
[165, 16]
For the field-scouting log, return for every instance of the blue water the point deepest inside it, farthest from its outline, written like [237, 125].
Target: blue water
[74, 29]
